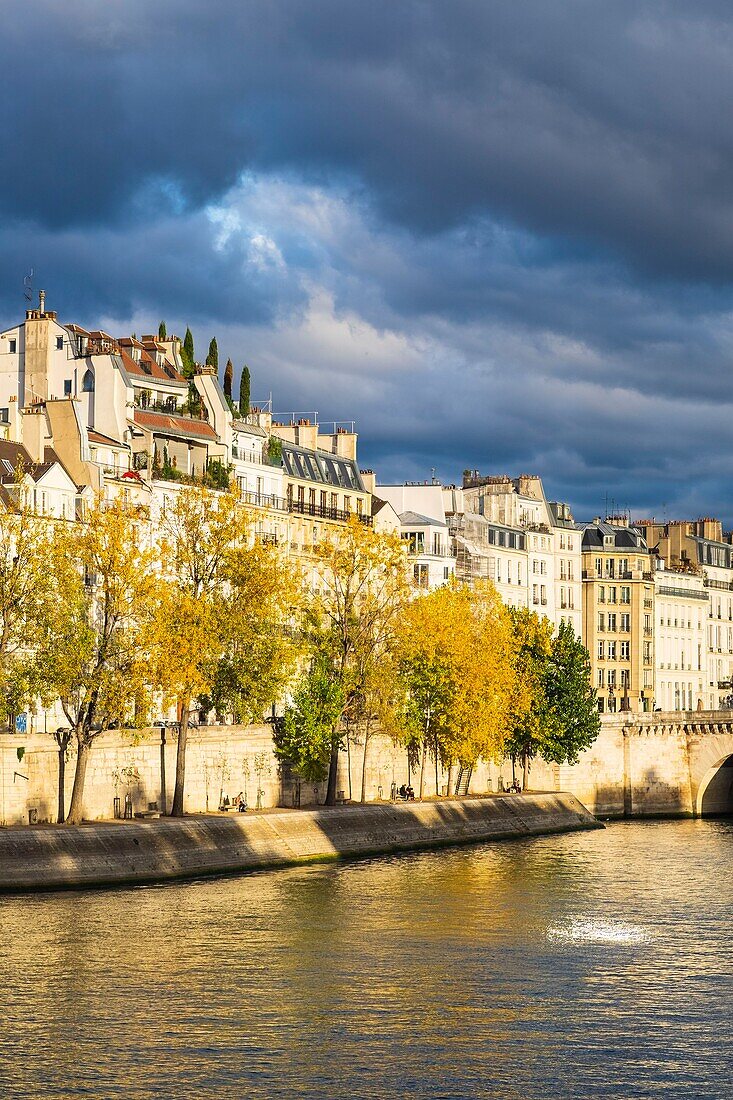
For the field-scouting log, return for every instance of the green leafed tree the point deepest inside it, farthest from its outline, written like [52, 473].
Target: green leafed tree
[555, 713]
[187, 354]
[571, 698]
[304, 738]
[228, 379]
[212, 358]
[162, 332]
[244, 384]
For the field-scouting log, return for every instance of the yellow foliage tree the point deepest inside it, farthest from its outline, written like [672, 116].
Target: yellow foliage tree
[89, 654]
[456, 665]
[220, 628]
[352, 619]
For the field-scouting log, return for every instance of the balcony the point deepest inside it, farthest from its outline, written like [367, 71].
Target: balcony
[318, 511]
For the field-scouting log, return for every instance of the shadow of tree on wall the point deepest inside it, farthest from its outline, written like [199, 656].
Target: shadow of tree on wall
[149, 851]
[652, 795]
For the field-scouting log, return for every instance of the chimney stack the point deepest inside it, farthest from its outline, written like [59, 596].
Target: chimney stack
[42, 301]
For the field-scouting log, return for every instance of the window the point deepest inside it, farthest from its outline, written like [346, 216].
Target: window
[601, 651]
[625, 594]
[535, 594]
[12, 346]
[612, 623]
[67, 387]
[624, 651]
[623, 565]
[59, 343]
[625, 622]
[87, 382]
[446, 572]
[612, 594]
[421, 575]
[599, 566]
[647, 653]
[5, 415]
[543, 593]
[612, 651]
[612, 677]
[601, 621]
[602, 594]
[601, 675]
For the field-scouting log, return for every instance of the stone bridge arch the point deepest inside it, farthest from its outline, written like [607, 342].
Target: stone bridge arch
[710, 752]
[679, 762]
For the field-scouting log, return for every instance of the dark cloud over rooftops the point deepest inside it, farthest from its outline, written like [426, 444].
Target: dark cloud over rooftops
[510, 227]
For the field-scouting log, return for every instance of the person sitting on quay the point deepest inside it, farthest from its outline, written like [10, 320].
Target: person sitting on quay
[241, 803]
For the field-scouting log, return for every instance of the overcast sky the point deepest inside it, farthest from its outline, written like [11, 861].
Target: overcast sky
[496, 235]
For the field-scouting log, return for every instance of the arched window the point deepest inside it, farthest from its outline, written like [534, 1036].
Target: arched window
[87, 382]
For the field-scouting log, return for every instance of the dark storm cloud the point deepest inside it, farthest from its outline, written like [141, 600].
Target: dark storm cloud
[605, 122]
[499, 234]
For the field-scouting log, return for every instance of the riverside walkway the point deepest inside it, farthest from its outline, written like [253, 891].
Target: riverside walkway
[116, 853]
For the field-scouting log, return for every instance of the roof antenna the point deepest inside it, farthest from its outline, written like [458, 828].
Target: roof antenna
[28, 286]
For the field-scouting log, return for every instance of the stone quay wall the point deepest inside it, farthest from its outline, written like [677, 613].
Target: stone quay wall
[639, 765]
[117, 853]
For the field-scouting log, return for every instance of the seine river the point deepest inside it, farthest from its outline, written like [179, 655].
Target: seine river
[590, 965]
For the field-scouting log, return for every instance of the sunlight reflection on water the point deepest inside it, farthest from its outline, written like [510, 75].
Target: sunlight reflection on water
[588, 965]
[598, 931]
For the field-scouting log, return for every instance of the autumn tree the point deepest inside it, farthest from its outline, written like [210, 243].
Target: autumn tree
[88, 653]
[530, 708]
[351, 619]
[220, 627]
[456, 666]
[25, 589]
[244, 396]
[258, 645]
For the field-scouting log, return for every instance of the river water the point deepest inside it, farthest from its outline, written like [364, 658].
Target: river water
[589, 965]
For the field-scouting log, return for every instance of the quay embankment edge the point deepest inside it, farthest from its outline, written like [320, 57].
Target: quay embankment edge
[38, 858]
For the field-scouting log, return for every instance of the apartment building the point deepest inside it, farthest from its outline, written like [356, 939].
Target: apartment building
[618, 614]
[122, 418]
[506, 529]
[700, 547]
[681, 610]
[423, 529]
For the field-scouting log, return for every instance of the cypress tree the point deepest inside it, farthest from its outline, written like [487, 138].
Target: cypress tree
[162, 333]
[187, 355]
[228, 379]
[244, 392]
[212, 358]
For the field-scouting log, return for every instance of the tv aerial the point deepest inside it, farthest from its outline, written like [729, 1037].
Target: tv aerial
[28, 286]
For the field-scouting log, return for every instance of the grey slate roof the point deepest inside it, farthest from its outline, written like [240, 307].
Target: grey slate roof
[414, 519]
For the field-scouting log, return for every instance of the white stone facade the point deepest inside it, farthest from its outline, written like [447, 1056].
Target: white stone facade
[681, 608]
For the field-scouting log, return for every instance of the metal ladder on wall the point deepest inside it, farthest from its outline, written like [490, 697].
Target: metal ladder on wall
[462, 781]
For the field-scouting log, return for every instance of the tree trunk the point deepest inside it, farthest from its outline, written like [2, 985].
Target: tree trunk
[422, 768]
[61, 811]
[437, 789]
[76, 809]
[525, 770]
[450, 779]
[332, 774]
[363, 766]
[177, 806]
